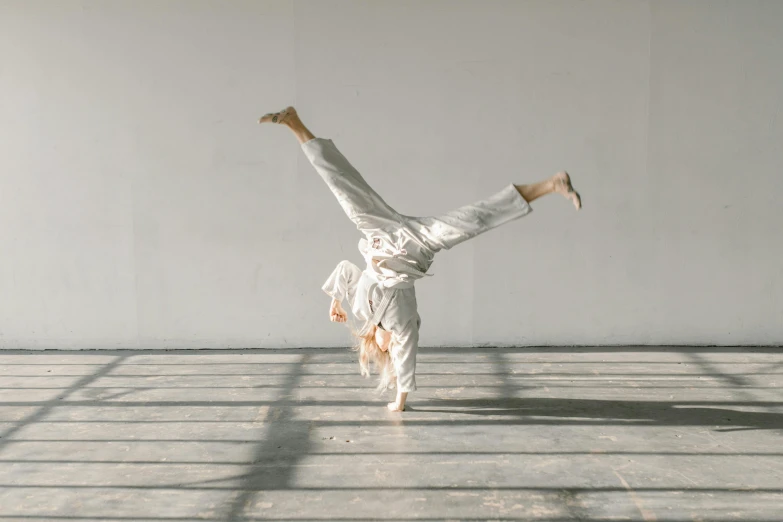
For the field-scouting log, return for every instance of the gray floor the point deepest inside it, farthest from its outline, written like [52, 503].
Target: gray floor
[503, 434]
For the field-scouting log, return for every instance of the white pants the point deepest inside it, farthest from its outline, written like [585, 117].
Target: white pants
[414, 240]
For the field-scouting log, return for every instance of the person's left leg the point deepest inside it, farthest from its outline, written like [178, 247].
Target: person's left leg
[360, 202]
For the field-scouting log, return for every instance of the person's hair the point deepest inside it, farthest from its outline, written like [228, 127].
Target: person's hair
[370, 354]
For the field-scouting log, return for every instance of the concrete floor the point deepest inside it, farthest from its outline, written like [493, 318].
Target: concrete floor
[502, 434]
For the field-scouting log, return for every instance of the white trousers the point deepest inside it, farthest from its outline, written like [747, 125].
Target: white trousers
[412, 241]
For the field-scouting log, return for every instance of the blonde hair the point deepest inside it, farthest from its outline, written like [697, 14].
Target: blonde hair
[370, 354]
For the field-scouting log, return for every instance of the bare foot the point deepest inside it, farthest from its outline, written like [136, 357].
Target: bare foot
[393, 406]
[562, 182]
[283, 116]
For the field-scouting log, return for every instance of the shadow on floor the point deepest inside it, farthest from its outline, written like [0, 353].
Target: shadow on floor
[654, 413]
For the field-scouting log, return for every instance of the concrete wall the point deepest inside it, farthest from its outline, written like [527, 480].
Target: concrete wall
[141, 205]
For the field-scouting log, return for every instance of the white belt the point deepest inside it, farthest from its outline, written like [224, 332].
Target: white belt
[388, 294]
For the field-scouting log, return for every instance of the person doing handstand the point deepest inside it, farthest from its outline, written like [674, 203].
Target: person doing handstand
[398, 250]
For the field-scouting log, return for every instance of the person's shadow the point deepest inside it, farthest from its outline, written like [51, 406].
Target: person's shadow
[536, 410]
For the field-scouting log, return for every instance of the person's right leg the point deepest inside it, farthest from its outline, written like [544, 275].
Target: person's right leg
[452, 228]
[361, 203]
[468, 221]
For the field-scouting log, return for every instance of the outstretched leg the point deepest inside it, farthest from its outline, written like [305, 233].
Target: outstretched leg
[360, 202]
[513, 202]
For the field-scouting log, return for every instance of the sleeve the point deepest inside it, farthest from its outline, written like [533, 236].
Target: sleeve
[403, 320]
[342, 282]
[405, 340]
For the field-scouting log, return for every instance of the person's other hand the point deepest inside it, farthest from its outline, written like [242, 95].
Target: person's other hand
[336, 313]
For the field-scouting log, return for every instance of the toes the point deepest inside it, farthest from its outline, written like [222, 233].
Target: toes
[274, 117]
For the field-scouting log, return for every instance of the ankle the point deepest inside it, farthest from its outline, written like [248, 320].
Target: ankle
[293, 123]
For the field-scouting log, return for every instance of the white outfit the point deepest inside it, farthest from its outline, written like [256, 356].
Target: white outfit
[398, 250]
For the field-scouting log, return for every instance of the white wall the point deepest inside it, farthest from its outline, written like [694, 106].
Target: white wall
[141, 206]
